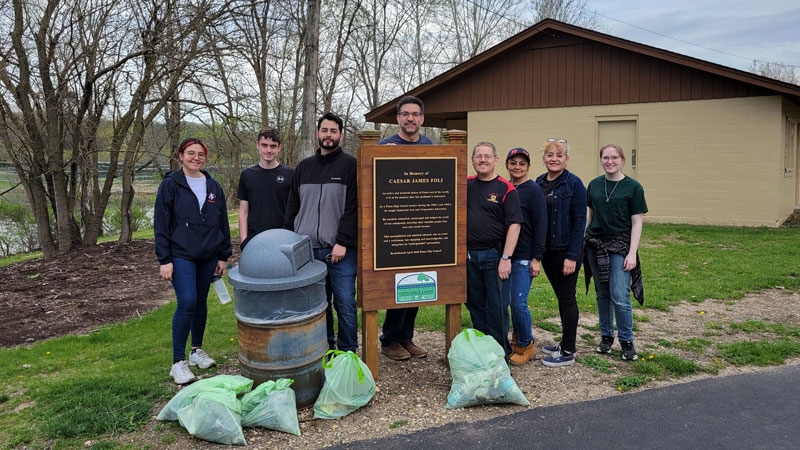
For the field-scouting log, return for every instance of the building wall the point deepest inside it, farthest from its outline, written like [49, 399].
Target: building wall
[703, 162]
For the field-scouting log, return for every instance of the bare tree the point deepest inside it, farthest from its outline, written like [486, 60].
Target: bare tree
[310, 67]
[67, 65]
[574, 12]
[379, 23]
[250, 34]
[479, 24]
[337, 25]
[777, 71]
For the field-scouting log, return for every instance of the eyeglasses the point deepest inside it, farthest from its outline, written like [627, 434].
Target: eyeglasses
[405, 114]
[486, 157]
[198, 155]
[562, 141]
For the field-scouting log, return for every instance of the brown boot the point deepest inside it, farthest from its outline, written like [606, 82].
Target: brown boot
[416, 352]
[514, 347]
[395, 351]
[524, 354]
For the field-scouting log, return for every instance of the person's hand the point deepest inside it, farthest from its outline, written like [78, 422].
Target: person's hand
[535, 268]
[338, 252]
[390, 143]
[221, 267]
[166, 271]
[569, 266]
[630, 262]
[504, 269]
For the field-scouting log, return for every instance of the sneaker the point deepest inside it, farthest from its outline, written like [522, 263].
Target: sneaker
[181, 373]
[558, 359]
[605, 344]
[413, 350]
[550, 349]
[523, 354]
[395, 351]
[201, 359]
[628, 353]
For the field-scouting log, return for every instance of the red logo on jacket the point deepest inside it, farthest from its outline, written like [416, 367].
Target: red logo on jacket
[211, 198]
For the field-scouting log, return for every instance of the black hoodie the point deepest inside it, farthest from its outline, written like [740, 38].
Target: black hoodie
[184, 230]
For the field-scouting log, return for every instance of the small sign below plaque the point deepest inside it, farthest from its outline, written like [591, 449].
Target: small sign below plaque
[414, 212]
[416, 287]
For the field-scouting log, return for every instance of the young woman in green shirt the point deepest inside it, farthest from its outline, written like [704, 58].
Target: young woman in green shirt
[616, 209]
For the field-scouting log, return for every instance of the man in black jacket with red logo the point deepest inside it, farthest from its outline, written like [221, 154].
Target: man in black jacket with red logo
[493, 224]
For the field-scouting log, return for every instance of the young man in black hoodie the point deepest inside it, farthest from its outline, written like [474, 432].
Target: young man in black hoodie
[322, 204]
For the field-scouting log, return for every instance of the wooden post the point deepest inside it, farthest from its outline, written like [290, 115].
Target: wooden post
[369, 341]
[456, 137]
[369, 319]
[366, 137]
[452, 322]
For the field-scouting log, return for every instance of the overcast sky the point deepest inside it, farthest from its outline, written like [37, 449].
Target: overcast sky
[766, 30]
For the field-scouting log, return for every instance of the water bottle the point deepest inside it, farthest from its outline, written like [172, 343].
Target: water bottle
[221, 290]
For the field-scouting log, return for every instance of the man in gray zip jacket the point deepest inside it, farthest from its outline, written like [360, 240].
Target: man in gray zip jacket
[322, 204]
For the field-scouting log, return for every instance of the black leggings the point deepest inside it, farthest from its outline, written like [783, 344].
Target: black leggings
[564, 287]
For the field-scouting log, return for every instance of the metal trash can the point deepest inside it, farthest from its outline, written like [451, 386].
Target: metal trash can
[279, 292]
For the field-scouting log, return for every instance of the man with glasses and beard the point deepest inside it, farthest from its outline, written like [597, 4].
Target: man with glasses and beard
[398, 326]
[322, 205]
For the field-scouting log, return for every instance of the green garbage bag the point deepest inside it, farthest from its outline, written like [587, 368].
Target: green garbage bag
[234, 383]
[348, 385]
[480, 373]
[214, 415]
[271, 405]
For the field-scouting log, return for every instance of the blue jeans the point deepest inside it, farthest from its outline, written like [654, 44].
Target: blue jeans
[340, 285]
[517, 291]
[485, 302]
[191, 281]
[613, 298]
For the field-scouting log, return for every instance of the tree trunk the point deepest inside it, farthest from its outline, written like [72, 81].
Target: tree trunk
[311, 45]
[126, 228]
[173, 121]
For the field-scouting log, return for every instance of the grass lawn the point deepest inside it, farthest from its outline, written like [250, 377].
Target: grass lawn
[61, 392]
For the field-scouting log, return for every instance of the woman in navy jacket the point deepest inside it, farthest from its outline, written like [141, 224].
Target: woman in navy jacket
[566, 220]
[192, 244]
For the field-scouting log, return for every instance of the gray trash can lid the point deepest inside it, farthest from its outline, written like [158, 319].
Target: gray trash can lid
[276, 260]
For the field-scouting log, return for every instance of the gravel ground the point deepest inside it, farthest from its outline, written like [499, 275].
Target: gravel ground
[411, 394]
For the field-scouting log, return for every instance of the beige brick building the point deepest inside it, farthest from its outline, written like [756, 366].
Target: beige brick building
[710, 144]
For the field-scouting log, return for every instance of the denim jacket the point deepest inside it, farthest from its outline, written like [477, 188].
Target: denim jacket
[569, 215]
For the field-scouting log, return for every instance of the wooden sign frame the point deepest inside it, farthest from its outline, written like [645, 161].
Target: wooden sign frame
[376, 288]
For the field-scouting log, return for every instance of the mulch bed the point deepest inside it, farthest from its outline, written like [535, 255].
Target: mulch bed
[79, 291]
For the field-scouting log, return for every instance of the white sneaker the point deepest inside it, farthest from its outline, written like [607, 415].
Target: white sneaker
[181, 373]
[201, 359]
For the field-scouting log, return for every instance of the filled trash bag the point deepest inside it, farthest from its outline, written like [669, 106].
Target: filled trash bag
[271, 405]
[348, 385]
[234, 383]
[214, 415]
[480, 373]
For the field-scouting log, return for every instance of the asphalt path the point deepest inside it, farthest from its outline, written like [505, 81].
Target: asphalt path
[757, 410]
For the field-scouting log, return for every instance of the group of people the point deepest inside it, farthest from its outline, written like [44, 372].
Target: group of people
[515, 229]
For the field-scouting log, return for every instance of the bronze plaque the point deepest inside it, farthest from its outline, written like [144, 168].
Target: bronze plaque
[414, 212]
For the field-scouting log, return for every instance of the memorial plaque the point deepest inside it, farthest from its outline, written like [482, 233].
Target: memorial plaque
[415, 212]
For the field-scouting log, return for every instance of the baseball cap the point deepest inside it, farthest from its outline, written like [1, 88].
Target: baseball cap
[518, 151]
